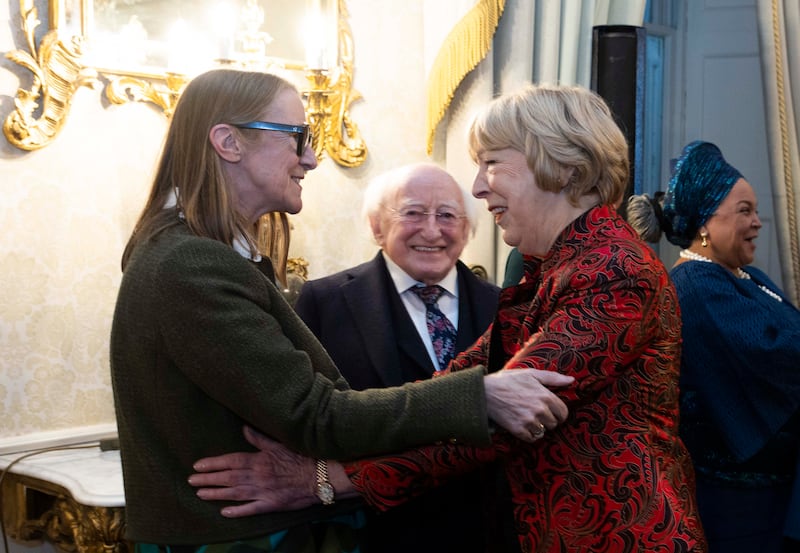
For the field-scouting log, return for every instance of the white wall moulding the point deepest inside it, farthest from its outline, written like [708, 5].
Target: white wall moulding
[56, 438]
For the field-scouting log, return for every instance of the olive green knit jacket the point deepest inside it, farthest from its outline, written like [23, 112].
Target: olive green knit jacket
[203, 343]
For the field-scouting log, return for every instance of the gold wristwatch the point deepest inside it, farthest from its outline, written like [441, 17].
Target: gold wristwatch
[324, 489]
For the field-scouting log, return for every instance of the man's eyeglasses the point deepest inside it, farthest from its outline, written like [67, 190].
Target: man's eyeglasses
[445, 218]
[302, 132]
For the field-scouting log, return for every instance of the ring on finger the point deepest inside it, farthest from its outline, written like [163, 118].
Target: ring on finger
[539, 433]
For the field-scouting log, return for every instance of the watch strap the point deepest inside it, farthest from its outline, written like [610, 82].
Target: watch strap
[324, 489]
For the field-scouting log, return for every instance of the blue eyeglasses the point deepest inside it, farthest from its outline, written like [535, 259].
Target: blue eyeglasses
[301, 132]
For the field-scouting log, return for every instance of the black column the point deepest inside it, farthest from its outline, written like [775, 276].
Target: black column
[618, 65]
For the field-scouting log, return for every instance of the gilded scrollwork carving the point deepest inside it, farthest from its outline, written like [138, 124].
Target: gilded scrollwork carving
[297, 266]
[59, 70]
[329, 98]
[78, 528]
[35, 510]
[57, 73]
[94, 529]
[126, 89]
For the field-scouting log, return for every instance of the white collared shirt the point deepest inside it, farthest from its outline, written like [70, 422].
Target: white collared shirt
[448, 302]
[240, 244]
[243, 248]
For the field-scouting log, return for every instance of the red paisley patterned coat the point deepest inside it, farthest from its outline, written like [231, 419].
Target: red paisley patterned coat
[614, 477]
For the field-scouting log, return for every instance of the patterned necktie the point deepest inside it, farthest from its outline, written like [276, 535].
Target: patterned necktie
[441, 330]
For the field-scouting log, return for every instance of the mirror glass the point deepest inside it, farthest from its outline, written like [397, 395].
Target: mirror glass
[153, 37]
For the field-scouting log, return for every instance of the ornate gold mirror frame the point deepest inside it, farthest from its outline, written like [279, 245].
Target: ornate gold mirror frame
[59, 70]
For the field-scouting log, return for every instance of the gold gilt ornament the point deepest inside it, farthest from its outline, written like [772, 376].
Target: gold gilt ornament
[329, 98]
[35, 509]
[121, 90]
[57, 73]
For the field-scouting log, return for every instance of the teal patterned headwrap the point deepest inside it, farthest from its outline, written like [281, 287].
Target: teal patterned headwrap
[701, 178]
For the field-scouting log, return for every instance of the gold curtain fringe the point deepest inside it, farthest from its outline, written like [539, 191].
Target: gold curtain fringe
[465, 46]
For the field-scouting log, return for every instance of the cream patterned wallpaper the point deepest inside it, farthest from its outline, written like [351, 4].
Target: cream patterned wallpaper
[66, 212]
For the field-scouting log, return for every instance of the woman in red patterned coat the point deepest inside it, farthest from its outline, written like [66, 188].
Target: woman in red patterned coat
[596, 304]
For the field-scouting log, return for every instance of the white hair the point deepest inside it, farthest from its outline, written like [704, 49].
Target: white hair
[385, 185]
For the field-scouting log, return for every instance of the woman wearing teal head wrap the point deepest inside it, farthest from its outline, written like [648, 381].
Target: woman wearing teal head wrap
[701, 178]
[740, 366]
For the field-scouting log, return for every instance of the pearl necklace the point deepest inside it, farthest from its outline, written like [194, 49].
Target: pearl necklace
[694, 256]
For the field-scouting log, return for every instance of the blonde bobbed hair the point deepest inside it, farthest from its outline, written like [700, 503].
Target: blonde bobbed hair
[558, 127]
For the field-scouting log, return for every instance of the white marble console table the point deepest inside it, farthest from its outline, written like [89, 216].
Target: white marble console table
[71, 497]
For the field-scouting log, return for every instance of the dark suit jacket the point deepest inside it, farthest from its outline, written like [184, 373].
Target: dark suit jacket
[360, 319]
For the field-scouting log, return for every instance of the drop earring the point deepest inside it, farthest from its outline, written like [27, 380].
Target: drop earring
[704, 243]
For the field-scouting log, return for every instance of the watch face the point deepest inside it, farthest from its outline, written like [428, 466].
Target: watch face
[325, 492]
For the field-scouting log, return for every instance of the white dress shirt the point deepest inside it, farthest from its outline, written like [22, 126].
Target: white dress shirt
[448, 302]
